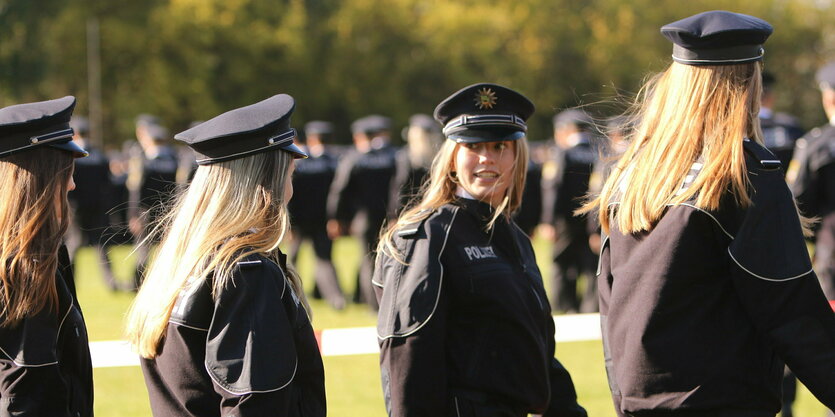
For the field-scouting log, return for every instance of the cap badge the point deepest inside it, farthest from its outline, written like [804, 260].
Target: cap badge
[485, 98]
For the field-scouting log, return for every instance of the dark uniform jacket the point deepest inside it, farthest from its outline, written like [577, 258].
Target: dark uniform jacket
[527, 218]
[699, 314]
[313, 176]
[405, 185]
[565, 181]
[362, 185]
[814, 187]
[158, 180]
[45, 367]
[465, 328]
[780, 131]
[91, 200]
[249, 351]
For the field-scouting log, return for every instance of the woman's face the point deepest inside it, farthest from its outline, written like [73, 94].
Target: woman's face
[485, 170]
[288, 183]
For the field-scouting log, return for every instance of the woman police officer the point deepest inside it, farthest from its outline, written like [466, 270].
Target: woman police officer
[705, 281]
[45, 367]
[464, 325]
[221, 323]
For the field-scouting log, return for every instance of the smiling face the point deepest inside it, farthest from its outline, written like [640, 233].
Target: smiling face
[485, 170]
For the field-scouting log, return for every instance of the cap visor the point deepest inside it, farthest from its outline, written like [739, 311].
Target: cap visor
[295, 151]
[77, 151]
[485, 135]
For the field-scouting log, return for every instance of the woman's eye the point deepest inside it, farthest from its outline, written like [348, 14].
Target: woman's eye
[501, 146]
[471, 145]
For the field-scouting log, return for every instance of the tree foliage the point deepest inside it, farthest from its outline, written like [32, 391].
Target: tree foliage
[189, 60]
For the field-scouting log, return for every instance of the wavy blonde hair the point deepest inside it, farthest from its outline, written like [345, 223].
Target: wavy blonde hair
[31, 230]
[230, 210]
[680, 115]
[439, 189]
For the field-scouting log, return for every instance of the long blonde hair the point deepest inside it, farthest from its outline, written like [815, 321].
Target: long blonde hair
[681, 115]
[440, 187]
[31, 230]
[231, 209]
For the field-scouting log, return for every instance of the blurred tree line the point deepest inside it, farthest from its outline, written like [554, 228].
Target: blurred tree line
[188, 60]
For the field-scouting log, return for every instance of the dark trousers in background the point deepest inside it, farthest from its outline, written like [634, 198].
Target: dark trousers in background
[367, 229]
[573, 258]
[326, 282]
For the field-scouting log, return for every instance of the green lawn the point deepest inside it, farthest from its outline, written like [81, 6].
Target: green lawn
[353, 382]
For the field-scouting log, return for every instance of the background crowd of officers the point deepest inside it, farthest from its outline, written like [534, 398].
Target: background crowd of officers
[354, 190]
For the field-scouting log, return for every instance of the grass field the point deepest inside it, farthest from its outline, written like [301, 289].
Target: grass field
[352, 382]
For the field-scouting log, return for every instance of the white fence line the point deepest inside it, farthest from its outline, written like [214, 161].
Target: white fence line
[351, 340]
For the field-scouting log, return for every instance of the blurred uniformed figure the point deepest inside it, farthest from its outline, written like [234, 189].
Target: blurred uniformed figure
[152, 177]
[565, 180]
[423, 137]
[90, 202]
[308, 210]
[813, 181]
[187, 161]
[780, 130]
[706, 286]
[45, 366]
[360, 194]
[118, 232]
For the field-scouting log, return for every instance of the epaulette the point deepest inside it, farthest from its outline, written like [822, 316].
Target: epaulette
[411, 230]
[760, 153]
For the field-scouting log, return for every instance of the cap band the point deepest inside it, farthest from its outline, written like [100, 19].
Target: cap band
[277, 141]
[28, 141]
[471, 120]
[718, 56]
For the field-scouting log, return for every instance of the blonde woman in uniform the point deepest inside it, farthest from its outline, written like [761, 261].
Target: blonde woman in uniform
[705, 283]
[221, 322]
[465, 327]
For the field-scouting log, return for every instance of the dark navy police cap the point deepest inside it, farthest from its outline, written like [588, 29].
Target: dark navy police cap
[45, 123]
[80, 125]
[575, 117]
[484, 113]
[826, 76]
[371, 124]
[717, 38]
[259, 127]
[318, 127]
[424, 121]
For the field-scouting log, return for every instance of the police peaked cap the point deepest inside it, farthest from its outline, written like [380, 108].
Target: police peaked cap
[424, 121]
[717, 38]
[484, 113]
[826, 75]
[80, 125]
[318, 127]
[44, 123]
[371, 124]
[259, 127]
[575, 117]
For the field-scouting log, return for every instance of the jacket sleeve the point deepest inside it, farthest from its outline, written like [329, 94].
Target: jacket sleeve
[250, 349]
[412, 324]
[773, 278]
